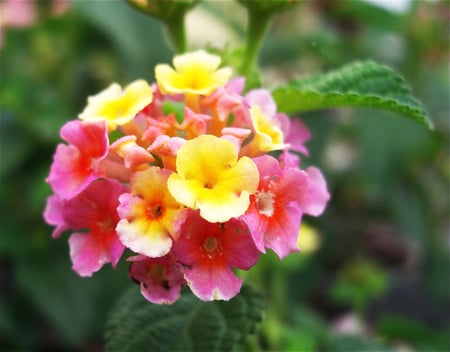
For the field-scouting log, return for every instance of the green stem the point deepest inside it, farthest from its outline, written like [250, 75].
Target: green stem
[173, 21]
[177, 33]
[258, 24]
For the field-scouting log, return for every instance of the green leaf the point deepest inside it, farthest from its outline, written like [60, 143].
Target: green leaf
[354, 343]
[361, 84]
[187, 325]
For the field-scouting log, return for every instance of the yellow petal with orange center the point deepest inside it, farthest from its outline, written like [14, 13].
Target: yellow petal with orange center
[118, 106]
[150, 215]
[211, 178]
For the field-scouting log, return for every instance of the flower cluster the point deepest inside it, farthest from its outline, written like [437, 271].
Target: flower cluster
[189, 174]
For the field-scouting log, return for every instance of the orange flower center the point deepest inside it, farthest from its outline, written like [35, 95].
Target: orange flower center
[155, 211]
[211, 245]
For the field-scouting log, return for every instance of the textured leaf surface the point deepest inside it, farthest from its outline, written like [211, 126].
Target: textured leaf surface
[187, 325]
[360, 84]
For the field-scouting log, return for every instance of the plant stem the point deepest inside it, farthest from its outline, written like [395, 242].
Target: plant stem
[258, 24]
[177, 33]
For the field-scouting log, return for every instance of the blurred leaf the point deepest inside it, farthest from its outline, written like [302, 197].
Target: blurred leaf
[371, 15]
[14, 144]
[360, 84]
[138, 38]
[353, 343]
[306, 331]
[76, 307]
[188, 325]
[420, 336]
[358, 282]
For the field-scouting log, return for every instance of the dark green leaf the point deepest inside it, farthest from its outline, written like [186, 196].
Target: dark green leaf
[187, 325]
[360, 84]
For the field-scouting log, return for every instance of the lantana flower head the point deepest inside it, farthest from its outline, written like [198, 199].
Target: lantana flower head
[185, 183]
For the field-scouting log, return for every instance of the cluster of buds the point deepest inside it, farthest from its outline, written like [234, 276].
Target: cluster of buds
[190, 175]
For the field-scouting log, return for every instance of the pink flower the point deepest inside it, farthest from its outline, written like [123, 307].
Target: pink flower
[274, 214]
[75, 165]
[209, 251]
[17, 13]
[161, 279]
[94, 209]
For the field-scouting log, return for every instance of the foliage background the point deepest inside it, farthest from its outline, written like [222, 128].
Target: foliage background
[380, 277]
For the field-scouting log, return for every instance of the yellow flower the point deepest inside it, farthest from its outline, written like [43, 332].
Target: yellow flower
[210, 177]
[195, 73]
[117, 106]
[268, 135]
[308, 239]
[150, 217]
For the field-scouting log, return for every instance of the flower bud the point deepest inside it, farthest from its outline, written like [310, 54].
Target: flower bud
[166, 10]
[272, 6]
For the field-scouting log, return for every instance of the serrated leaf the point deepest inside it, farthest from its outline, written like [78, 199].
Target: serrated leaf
[187, 325]
[361, 84]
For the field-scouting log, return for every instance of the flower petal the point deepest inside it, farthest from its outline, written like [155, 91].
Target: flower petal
[208, 284]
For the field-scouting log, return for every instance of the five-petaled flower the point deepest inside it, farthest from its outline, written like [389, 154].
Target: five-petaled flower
[209, 251]
[195, 73]
[210, 177]
[118, 106]
[150, 216]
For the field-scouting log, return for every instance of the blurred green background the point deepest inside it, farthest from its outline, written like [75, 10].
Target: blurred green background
[379, 278]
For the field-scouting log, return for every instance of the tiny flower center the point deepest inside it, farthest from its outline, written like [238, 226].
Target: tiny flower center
[106, 224]
[265, 203]
[208, 185]
[155, 211]
[210, 244]
[157, 273]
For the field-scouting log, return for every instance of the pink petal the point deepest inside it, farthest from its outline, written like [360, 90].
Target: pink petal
[289, 160]
[282, 231]
[70, 171]
[292, 186]
[131, 153]
[263, 99]
[257, 226]
[88, 256]
[91, 138]
[317, 196]
[53, 215]
[74, 166]
[208, 284]
[96, 203]
[235, 85]
[298, 134]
